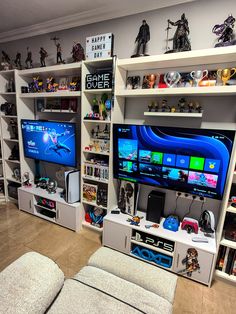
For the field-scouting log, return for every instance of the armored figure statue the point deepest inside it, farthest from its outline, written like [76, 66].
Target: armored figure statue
[225, 32]
[17, 61]
[180, 39]
[142, 38]
[28, 60]
[43, 54]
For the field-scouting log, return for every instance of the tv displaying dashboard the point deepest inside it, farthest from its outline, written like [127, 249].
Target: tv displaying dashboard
[193, 161]
[50, 141]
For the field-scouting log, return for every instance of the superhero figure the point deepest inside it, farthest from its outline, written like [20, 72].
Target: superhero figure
[142, 38]
[57, 146]
[191, 262]
[225, 32]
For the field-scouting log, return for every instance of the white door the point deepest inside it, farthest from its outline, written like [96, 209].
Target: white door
[66, 216]
[25, 201]
[116, 236]
[193, 263]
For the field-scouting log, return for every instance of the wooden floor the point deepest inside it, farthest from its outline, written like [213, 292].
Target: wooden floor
[21, 232]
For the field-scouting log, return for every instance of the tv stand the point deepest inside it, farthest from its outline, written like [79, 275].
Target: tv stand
[55, 210]
[161, 247]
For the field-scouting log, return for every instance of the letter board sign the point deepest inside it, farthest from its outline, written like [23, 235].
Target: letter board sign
[99, 46]
[98, 81]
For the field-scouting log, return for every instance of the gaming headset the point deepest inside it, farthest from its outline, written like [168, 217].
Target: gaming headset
[207, 221]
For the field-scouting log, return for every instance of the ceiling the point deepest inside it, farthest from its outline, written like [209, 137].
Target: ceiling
[27, 18]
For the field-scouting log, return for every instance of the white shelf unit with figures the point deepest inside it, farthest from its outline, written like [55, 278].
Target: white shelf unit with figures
[96, 143]
[218, 103]
[10, 178]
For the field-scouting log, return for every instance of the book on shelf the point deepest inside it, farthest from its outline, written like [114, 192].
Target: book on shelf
[233, 268]
[225, 259]
[221, 256]
[230, 260]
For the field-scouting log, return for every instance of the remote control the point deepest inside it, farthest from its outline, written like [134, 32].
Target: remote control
[198, 239]
[115, 211]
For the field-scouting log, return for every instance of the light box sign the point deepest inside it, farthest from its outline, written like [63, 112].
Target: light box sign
[99, 46]
[98, 81]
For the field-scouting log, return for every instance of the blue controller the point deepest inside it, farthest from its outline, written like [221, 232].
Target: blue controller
[171, 223]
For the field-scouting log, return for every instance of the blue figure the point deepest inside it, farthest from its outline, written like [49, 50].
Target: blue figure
[57, 145]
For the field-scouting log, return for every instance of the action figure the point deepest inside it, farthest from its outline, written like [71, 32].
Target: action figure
[135, 220]
[28, 60]
[142, 39]
[43, 54]
[182, 105]
[5, 57]
[191, 262]
[77, 52]
[17, 61]
[225, 31]
[52, 86]
[59, 50]
[57, 145]
[180, 39]
[164, 106]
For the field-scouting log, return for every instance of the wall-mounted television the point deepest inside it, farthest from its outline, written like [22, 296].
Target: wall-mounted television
[50, 141]
[194, 161]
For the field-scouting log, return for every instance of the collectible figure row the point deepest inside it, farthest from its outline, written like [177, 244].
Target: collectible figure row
[57, 104]
[198, 78]
[64, 84]
[101, 109]
[100, 140]
[182, 106]
[180, 39]
[96, 170]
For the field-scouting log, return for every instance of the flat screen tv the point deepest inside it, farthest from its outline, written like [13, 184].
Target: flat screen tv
[194, 161]
[50, 141]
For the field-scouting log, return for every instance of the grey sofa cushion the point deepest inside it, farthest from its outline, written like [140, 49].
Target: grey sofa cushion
[96, 291]
[149, 277]
[29, 284]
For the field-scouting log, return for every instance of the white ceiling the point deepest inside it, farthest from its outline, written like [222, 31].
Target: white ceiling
[26, 18]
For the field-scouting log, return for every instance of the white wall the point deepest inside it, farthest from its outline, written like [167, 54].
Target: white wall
[202, 16]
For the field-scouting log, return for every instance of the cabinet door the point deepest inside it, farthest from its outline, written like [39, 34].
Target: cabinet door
[66, 216]
[25, 201]
[193, 263]
[116, 236]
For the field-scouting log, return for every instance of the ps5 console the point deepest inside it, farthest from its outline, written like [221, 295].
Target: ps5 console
[72, 186]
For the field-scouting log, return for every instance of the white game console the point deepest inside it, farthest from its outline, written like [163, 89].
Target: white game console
[72, 186]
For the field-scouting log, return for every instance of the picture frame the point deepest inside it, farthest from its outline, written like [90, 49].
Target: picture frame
[127, 197]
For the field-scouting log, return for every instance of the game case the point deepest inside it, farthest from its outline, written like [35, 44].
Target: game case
[90, 193]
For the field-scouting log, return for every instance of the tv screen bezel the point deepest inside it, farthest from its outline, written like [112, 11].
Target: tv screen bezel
[218, 197]
[51, 162]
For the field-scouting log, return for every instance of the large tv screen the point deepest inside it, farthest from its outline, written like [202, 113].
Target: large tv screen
[194, 161]
[49, 141]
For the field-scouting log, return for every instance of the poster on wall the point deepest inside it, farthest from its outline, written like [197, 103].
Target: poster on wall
[99, 46]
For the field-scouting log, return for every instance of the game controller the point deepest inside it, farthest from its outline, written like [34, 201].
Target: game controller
[190, 225]
[171, 223]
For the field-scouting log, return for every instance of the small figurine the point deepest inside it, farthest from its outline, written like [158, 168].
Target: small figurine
[17, 61]
[180, 39]
[43, 55]
[135, 220]
[28, 60]
[198, 108]
[142, 38]
[36, 86]
[26, 180]
[182, 105]
[151, 106]
[225, 32]
[59, 50]
[164, 106]
[75, 84]
[173, 109]
[190, 106]
[63, 83]
[152, 226]
[13, 129]
[77, 52]
[52, 86]
[6, 65]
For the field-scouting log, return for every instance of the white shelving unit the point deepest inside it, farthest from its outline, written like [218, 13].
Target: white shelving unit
[210, 59]
[91, 67]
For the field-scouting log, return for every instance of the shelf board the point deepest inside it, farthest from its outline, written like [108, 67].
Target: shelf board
[234, 177]
[7, 93]
[97, 153]
[8, 117]
[45, 217]
[10, 140]
[93, 204]
[231, 209]
[228, 243]
[99, 63]
[54, 70]
[13, 161]
[7, 71]
[58, 111]
[13, 180]
[43, 207]
[97, 91]
[89, 226]
[51, 95]
[95, 179]
[174, 114]
[185, 91]
[180, 59]
[223, 275]
[1, 178]
[96, 121]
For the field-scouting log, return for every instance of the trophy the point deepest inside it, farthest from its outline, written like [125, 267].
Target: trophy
[172, 78]
[226, 74]
[198, 76]
[133, 82]
[149, 81]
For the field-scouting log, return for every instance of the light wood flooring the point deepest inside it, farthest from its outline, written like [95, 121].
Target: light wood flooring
[21, 232]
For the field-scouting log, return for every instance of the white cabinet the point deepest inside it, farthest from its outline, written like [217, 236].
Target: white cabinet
[193, 263]
[26, 201]
[66, 216]
[117, 236]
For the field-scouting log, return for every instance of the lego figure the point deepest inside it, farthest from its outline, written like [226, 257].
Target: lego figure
[180, 40]
[43, 54]
[28, 60]
[164, 106]
[17, 61]
[77, 52]
[182, 105]
[142, 38]
[191, 262]
[225, 32]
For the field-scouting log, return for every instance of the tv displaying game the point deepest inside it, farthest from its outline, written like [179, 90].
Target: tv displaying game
[194, 161]
[49, 141]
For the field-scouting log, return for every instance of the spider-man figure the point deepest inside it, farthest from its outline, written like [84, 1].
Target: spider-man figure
[57, 146]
